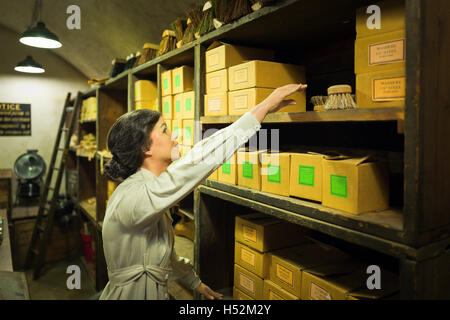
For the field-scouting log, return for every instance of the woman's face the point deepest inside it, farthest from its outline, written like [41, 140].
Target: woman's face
[164, 146]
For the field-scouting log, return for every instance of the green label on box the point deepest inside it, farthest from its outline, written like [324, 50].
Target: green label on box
[188, 104]
[177, 106]
[177, 81]
[274, 174]
[306, 176]
[166, 107]
[338, 186]
[175, 130]
[226, 167]
[188, 132]
[165, 83]
[247, 170]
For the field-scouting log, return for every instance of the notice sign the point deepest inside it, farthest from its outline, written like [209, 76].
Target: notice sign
[15, 119]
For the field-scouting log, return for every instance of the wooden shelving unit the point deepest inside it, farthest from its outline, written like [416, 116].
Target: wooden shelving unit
[414, 232]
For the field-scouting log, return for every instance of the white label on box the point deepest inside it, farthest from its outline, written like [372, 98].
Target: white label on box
[246, 283]
[317, 293]
[213, 60]
[248, 256]
[214, 104]
[284, 274]
[241, 102]
[215, 83]
[274, 296]
[241, 75]
[249, 234]
[387, 52]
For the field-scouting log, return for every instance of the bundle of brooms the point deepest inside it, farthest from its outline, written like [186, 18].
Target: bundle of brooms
[227, 11]
[258, 4]
[149, 52]
[193, 22]
[168, 43]
[179, 27]
[206, 23]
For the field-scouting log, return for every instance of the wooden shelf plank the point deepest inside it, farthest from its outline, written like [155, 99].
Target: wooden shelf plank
[89, 209]
[375, 114]
[381, 231]
[188, 212]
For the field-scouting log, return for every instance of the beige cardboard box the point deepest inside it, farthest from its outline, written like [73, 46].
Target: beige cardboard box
[145, 90]
[272, 291]
[213, 176]
[167, 107]
[275, 173]
[287, 265]
[188, 132]
[217, 81]
[248, 282]
[220, 55]
[188, 105]
[228, 171]
[252, 260]
[385, 51]
[381, 89]
[306, 176]
[182, 79]
[177, 128]
[169, 124]
[166, 85]
[345, 281]
[177, 102]
[264, 74]
[249, 169]
[239, 295]
[355, 185]
[392, 15]
[216, 104]
[241, 101]
[265, 233]
[146, 104]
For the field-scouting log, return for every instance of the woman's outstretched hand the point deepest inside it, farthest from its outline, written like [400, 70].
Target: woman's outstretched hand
[276, 100]
[208, 292]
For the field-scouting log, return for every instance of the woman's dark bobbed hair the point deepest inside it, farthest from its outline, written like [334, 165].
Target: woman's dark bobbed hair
[128, 139]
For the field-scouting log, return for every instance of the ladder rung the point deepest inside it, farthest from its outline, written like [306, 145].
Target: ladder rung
[51, 188]
[56, 169]
[65, 129]
[69, 109]
[61, 149]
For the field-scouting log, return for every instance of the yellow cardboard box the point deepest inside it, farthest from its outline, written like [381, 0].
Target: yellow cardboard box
[216, 104]
[380, 52]
[145, 90]
[239, 295]
[381, 89]
[252, 260]
[167, 107]
[228, 171]
[169, 124]
[249, 169]
[177, 102]
[264, 74]
[345, 281]
[184, 150]
[188, 132]
[217, 81]
[272, 291]
[213, 176]
[166, 85]
[306, 176]
[241, 101]
[355, 185]
[275, 173]
[248, 282]
[265, 233]
[392, 15]
[286, 267]
[221, 55]
[146, 104]
[188, 105]
[177, 128]
[182, 79]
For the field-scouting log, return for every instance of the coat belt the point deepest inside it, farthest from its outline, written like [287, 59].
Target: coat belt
[127, 275]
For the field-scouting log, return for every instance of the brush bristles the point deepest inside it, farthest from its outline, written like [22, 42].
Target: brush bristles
[340, 101]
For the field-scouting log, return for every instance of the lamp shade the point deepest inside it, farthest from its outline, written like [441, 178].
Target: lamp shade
[40, 37]
[29, 65]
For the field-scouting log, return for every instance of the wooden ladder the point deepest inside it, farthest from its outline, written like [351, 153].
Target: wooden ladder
[42, 234]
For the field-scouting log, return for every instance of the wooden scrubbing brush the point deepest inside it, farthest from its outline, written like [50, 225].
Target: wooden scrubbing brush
[168, 43]
[179, 26]
[258, 4]
[194, 18]
[319, 102]
[340, 97]
[149, 52]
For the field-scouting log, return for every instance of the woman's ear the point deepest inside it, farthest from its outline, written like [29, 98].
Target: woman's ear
[148, 153]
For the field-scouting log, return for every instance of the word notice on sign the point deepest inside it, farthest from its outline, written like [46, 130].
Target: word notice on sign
[15, 119]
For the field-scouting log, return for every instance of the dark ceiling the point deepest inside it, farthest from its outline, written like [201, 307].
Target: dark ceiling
[109, 28]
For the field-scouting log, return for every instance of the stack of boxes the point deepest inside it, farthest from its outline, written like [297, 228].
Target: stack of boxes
[88, 109]
[256, 236]
[380, 56]
[178, 101]
[146, 95]
[219, 57]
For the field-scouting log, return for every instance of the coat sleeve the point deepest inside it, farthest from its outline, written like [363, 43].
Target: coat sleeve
[183, 176]
[182, 270]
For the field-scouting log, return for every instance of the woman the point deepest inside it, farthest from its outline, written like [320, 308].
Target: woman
[137, 231]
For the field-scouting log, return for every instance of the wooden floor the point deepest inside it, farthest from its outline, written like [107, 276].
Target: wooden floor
[184, 248]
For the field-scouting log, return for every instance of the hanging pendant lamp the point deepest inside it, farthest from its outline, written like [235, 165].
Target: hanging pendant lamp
[29, 66]
[40, 37]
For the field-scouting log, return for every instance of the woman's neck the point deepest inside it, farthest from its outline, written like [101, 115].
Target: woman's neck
[155, 167]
